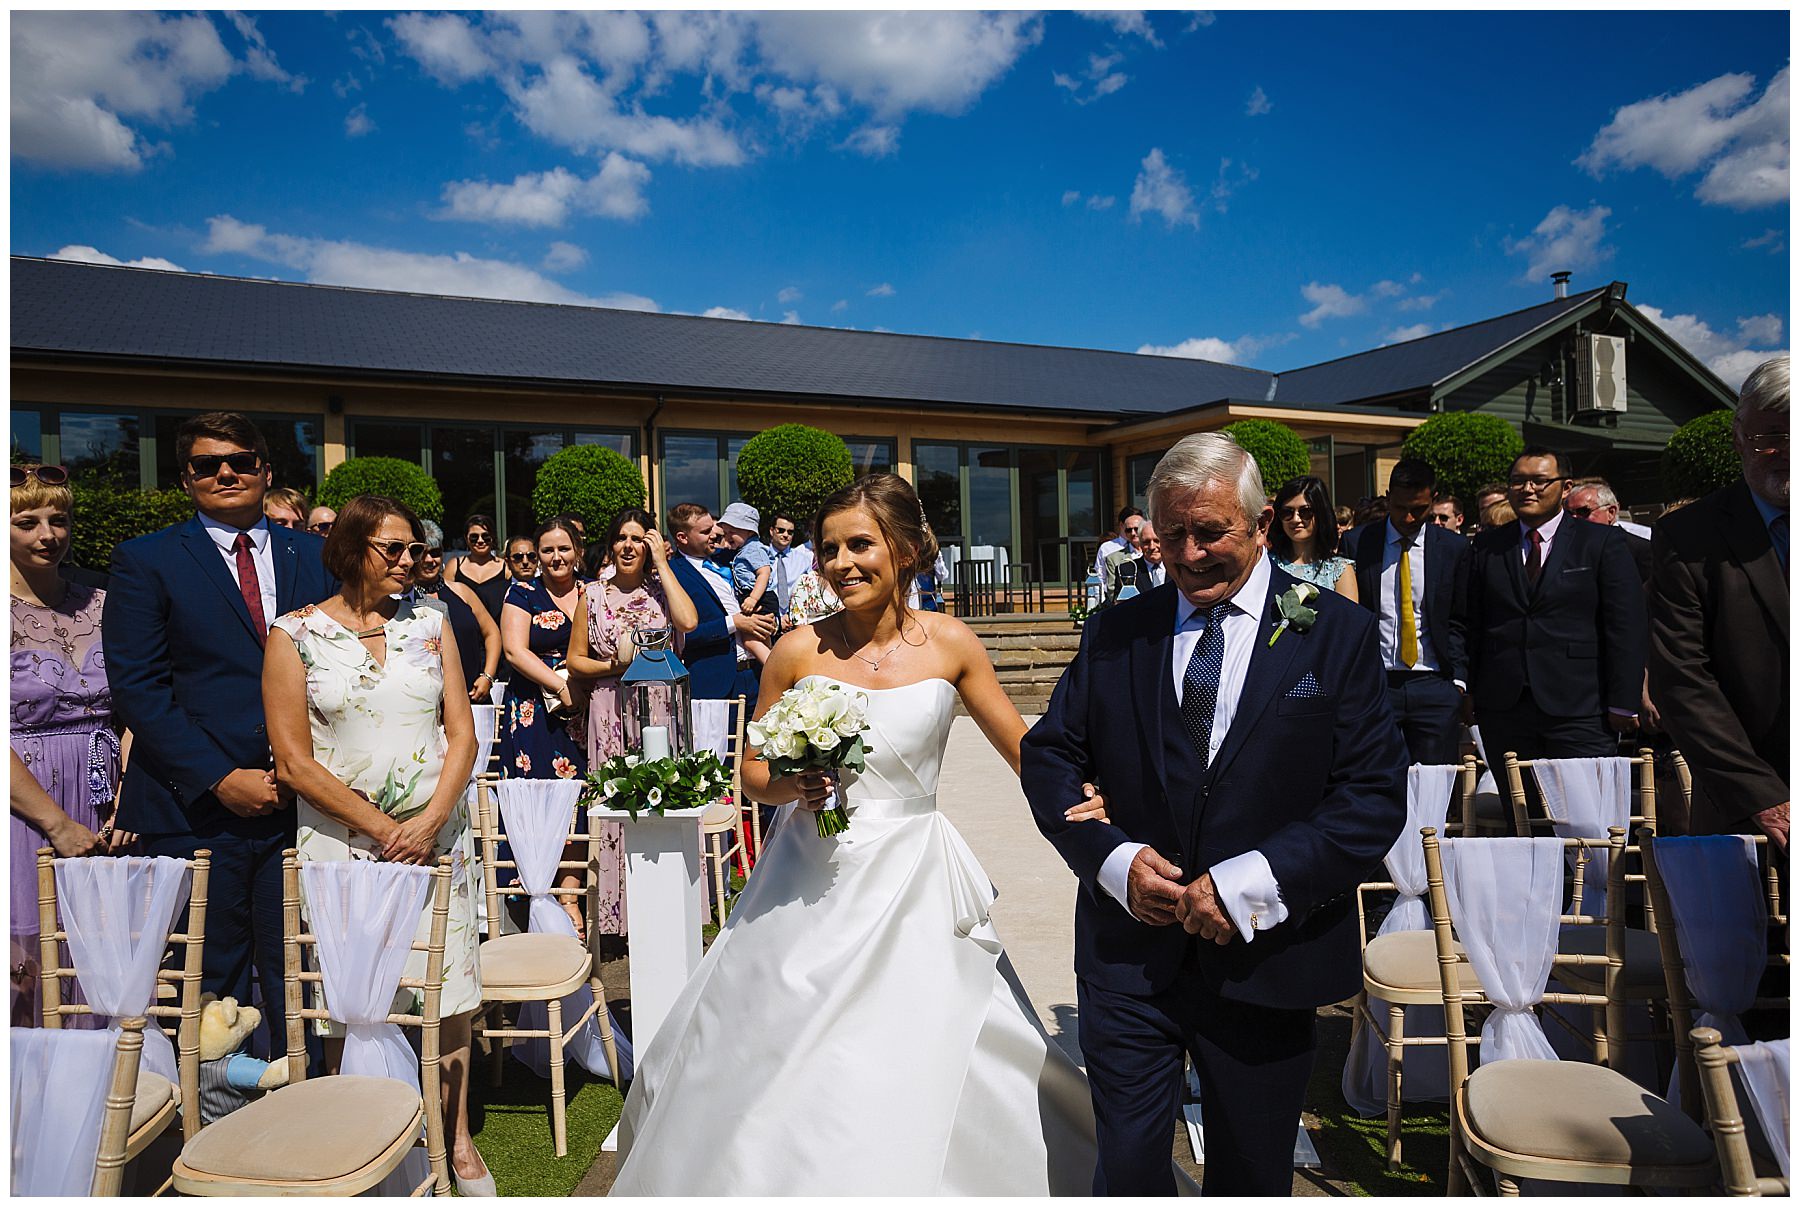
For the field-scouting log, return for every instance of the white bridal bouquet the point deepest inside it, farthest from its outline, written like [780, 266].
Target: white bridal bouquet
[815, 726]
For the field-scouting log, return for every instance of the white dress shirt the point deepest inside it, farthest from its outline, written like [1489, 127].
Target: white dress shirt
[1245, 884]
[225, 537]
[1108, 547]
[1389, 624]
[1158, 574]
[1548, 529]
[727, 600]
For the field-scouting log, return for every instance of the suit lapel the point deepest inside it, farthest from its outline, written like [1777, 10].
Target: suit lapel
[287, 569]
[212, 567]
[1152, 672]
[1508, 550]
[1268, 666]
[1561, 550]
[1748, 538]
[1368, 565]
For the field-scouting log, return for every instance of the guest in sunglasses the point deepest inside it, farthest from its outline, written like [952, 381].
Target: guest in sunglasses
[184, 627]
[285, 507]
[477, 636]
[1304, 538]
[521, 561]
[319, 521]
[481, 569]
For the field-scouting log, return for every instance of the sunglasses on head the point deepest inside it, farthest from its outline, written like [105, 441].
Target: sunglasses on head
[206, 465]
[49, 475]
[392, 550]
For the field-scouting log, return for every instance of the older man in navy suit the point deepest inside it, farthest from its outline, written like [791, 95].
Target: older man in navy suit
[185, 623]
[1254, 774]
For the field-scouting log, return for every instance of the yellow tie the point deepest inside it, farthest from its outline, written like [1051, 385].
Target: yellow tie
[1409, 623]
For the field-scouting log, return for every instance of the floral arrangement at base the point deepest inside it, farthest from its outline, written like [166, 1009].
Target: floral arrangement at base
[814, 726]
[636, 784]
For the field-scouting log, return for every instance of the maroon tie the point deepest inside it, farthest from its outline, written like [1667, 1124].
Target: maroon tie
[250, 585]
[1534, 561]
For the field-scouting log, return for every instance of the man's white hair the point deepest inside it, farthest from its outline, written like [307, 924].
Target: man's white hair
[1766, 389]
[1603, 491]
[1197, 460]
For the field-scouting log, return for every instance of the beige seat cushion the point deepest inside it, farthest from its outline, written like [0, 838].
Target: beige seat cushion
[720, 818]
[1408, 960]
[1643, 962]
[515, 961]
[154, 1092]
[1570, 1111]
[314, 1131]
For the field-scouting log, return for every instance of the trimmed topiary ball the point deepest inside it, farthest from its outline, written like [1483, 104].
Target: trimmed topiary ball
[390, 476]
[1699, 458]
[590, 481]
[1466, 450]
[1279, 452]
[792, 468]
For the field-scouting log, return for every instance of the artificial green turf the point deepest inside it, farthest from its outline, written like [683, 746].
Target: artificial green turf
[513, 1127]
[1353, 1149]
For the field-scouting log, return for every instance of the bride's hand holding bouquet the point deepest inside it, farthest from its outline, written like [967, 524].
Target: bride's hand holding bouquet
[810, 733]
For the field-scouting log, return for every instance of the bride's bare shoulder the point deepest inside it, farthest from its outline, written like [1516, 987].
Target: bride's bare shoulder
[955, 641]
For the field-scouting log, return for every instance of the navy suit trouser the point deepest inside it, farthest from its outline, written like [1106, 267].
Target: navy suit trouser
[1253, 1063]
[1428, 709]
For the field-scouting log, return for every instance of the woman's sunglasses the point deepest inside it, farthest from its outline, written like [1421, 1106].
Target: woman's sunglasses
[483, 537]
[392, 550]
[1303, 514]
[49, 475]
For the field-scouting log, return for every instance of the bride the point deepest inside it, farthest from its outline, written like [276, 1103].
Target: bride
[856, 1027]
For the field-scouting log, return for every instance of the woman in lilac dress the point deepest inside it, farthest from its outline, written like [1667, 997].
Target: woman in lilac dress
[634, 590]
[65, 745]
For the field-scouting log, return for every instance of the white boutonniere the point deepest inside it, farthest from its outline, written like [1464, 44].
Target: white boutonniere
[1292, 604]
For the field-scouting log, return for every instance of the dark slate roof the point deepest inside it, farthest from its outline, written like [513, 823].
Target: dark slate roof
[1417, 364]
[84, 309]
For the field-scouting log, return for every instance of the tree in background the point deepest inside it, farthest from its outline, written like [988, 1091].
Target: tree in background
[792, 468]
[589, 481]
[1699, 458]
[1279, 452]
[390, 476]
[109, 511]
[1466, 450]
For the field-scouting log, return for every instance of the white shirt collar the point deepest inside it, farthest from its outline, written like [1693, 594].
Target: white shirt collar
[1547, 528]
[1250, 599]
[225, 535]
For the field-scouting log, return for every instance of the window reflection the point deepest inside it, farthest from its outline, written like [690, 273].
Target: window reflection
[101, 445]
[871, 456]
[935, 466]
[402, 440]
[462, 461]
[521, 454]
[27, 435]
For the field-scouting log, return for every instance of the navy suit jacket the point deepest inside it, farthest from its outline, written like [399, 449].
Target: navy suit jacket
[1579, 640]
[1446, 587]
[707, 652]
[185, 667]
[1316, 782]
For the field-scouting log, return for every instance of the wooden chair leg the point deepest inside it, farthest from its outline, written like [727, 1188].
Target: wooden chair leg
[1396, 1059]
[496, 1045]
[558, 1091]
[1456, 1182]
[1509, 1188]
[604, 1022]
[718, 862]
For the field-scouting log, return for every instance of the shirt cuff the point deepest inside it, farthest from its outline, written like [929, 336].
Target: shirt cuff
[1116, 871]
[1248, 893]
[1622, 712]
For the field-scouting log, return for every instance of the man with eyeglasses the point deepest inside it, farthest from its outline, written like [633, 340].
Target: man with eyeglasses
[1557, 628]
[1719, 626]
[787, 562]
[184, 624]
[1130, 520]
[1593, 500]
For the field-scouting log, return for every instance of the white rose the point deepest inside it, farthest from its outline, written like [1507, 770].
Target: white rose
[823, 738]
[793, 744]
[758, 734]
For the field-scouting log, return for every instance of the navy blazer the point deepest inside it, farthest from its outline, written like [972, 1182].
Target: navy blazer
[707, 652]
[1315, 779]
[185, 666]
[1579, 640]
[1446, 587]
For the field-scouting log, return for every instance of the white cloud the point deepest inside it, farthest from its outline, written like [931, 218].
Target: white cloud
[1161, 189]
[883, 290]
[1386, 289]
[1094, 202]
[789, 294]
[341, 262]
[1399, 335]
[1423, 301]
[1200, 20]
[1071, 196]
[1229, 181]
[564, 257]
[357, 122]
[1329, 302]
[1238, 351]
[1128, 22]
[93, 255]
[790, 318]
[874, 141]
[1732, 357]
[550, 198]
[1258, 103]
[1742, 144]
[444, 45]
[1773, 241]
[725, 312]
[1099, 79]
[1565, 240]
[841, 305]
[259, 60]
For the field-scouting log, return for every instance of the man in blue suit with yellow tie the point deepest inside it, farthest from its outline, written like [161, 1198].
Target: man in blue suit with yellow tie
[184, 625]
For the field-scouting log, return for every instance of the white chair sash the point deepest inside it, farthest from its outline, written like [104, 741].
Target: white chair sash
[1585, 798]
[1763, 1068]
[1506, 902]
[535, 815]
[1721, 924]
[1428, 791]
[487, 726]
[59, 1084]
[712, 725]
[118, 914]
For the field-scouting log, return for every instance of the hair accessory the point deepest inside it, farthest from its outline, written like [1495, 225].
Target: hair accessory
[923, 522]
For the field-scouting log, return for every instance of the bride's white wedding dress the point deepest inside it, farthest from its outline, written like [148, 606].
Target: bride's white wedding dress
[856, 1028]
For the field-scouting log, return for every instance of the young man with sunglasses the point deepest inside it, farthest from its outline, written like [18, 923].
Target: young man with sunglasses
[185, 623]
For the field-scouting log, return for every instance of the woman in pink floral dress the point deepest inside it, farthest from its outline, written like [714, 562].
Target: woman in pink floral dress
[635, 590]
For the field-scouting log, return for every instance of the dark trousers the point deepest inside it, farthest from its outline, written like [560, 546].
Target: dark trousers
[243, 918]
[1428, 709]
[1531, 733]
[1253, 1063]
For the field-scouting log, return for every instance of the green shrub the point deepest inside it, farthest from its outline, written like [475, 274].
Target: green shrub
[1466, 450]
[390, 476]
[589, 481]
[1279, 452]
[1699, 458]
[109, 511]
[792, 468]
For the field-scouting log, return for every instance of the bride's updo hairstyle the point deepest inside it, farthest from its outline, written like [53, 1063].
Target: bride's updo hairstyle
[891, 500]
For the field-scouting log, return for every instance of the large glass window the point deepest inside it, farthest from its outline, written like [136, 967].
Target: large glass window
[1031, 503]
[991, 498]
[1137, 472]
[462, 461]
[27, 435]
[374, 438]
[521, 454]
[690, 468]
[623, 443]
[937, 472]
[1040, 512]
[872, 456]
[101, 443]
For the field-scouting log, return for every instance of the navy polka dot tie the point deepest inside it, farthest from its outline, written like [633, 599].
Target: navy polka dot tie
[1200, 683]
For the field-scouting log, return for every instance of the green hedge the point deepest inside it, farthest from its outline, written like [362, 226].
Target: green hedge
[589, 481]
[1699, 458]
[108, 512]
[1279, 453]
[792, 468]
[1467, 450]
[390, 476]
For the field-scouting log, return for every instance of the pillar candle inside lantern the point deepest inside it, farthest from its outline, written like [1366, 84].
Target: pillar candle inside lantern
[656, 742]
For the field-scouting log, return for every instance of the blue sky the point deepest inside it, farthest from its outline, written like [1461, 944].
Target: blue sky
[1272, 189]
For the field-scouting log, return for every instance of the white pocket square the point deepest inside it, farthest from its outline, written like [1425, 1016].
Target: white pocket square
[1307, 689]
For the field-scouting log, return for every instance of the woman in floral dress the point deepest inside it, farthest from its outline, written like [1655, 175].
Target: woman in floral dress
[1304, 538]
[635, 590]
[354, 692]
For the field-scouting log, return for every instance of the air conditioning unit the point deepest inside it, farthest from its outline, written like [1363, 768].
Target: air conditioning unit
[1600, 375]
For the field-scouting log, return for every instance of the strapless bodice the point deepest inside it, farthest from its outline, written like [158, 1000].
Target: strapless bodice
[908, 728]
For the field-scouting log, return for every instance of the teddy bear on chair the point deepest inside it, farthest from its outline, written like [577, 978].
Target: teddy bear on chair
[230, 1078]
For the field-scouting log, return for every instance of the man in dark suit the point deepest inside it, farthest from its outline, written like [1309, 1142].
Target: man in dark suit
[718, 666]
[1719, 626]
[1556, 625]
[1593, 500]
[184, 624]
[1414, 576]
[1254, 775]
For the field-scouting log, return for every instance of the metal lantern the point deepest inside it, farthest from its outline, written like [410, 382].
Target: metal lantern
[657, 701]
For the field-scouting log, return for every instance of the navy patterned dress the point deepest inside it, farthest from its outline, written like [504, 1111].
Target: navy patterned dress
[532, 744]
